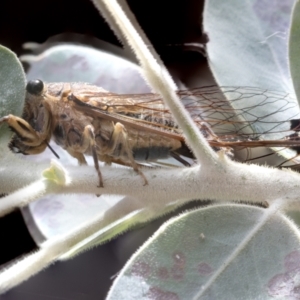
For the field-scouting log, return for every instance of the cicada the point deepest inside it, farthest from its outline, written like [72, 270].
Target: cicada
[131, 129]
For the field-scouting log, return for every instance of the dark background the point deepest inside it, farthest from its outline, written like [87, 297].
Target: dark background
[21, 21]
[169, 27]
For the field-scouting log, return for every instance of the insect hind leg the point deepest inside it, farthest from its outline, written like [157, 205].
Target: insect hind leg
[89, 135]
[119, 142]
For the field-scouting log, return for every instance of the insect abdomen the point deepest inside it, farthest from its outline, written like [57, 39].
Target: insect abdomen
[151, 153]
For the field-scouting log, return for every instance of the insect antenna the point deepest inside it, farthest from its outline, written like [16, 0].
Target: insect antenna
[52, 150]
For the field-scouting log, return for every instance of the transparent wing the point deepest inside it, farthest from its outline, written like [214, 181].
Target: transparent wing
[233, 113]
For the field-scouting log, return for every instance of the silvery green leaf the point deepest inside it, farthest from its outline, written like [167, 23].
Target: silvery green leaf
[219, 252]
[12, 82]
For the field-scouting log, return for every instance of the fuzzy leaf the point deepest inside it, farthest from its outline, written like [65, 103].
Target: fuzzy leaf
[12, 82]
[221, 252]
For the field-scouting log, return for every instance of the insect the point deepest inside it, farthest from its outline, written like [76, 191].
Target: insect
[128, 129]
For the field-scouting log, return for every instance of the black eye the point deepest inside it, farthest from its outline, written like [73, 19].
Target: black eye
[35, 87]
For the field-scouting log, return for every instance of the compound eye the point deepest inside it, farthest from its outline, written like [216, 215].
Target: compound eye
[35, 87]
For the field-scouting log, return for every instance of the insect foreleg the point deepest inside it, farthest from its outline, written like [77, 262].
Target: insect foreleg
[119, 142]
[24, 130]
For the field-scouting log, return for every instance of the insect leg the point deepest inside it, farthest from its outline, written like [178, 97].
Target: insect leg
[119, 137]
[180, 159]
[212, 137]
[89, 135]
[207, 131]
[79, 156]
[23, 129]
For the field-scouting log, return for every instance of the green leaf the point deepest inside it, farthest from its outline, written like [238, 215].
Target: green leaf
[56, 173]
[221, 252]
[12, 91]
[294, 48]
[244, 47]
